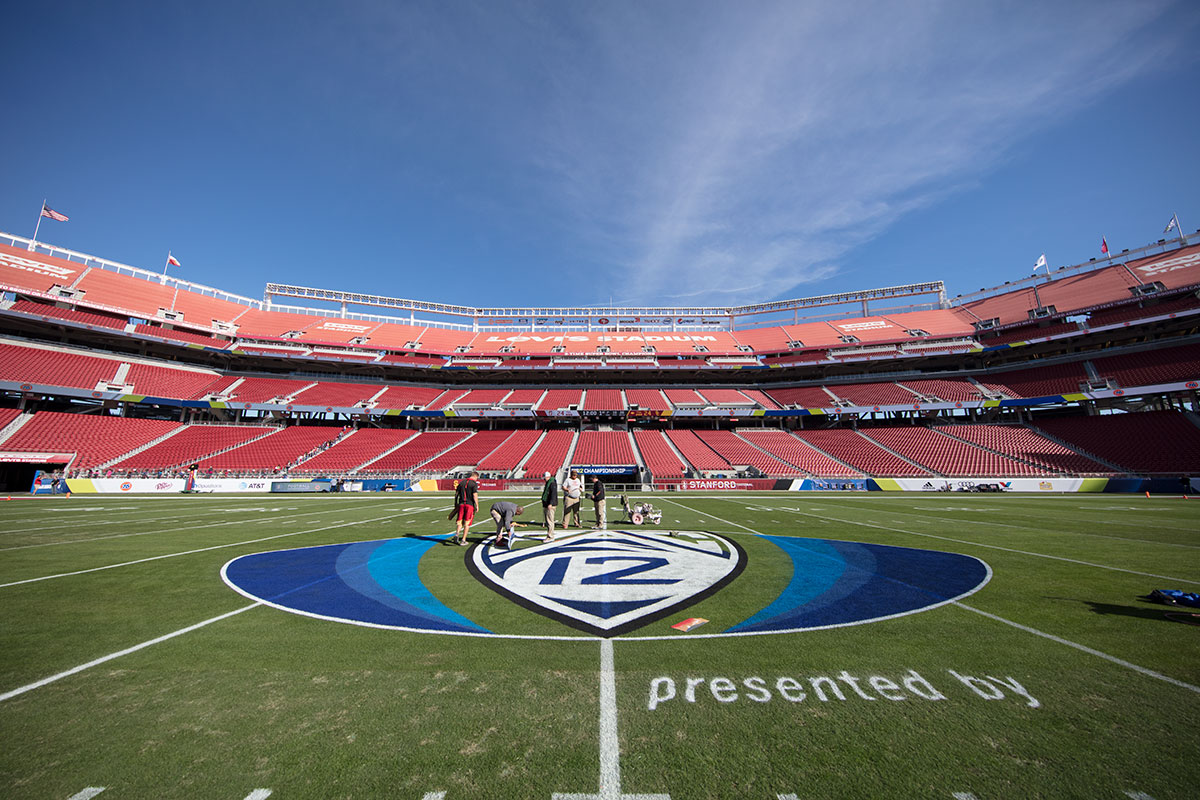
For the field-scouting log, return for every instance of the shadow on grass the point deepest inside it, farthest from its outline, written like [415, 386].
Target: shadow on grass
[1148, 611]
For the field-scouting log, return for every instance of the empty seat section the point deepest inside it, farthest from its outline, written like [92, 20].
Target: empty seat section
[739, 452]
[520, 398]
[764, 340]
[684, 397]
[143, 297]
[1145, 443]
[799, 453]
[1043, 381]
[762, 398]
[446, 399]
[72, 315]
[557, 399]
[1136, 311]
[156, 381]
[949, 390]
[7, 415]
[726, 397]
[603, 400]
[803, 396]
[468, 453]
[354, 450]
[860, 452]
[272, 453]
[416, 451]
[191, 445]
[550, 454]
[329, 393]
[54, 367]
[610, 448]
[697, 453]
[483, 397]
[96, 439]
[402, 397]
[948, 456]
[874, 394]
[658, 456]
[508, 455]
[1020, 442]
[1168, 365]
[21, 269]
[647, 399]
[264, 390]
[1028, 333]
[182, 336]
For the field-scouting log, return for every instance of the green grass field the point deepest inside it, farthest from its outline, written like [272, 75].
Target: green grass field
[1100, 690]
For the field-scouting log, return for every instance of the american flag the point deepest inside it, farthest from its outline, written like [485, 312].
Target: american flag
[47, 211]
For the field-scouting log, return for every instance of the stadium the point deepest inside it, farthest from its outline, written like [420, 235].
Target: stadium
[451, 400]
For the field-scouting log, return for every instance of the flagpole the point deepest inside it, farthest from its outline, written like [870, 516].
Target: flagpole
[167, 263]
[1178, 227]
[38, 226]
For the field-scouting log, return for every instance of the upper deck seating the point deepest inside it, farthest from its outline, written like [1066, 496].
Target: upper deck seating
[772, 339]
[560, 399]
[20, 269]
[803, 396]
[726, 397]
[404, 396]
[70, 314]
[446, 399]
[1043, 381]
[1145, 443]
[483, 398]
[947, 455]
[54, 367]
[182, 336]
[603, 400]
[95, 439]
[333, 394]
[860, 452]
[192, 444]
[647, 399]
[658, 456]
[264, 390]
[797, 452]
[684, 398]
[948, 390]
[174, 382]
[874, 394]
[523, 397]
[1149, 368]
[762, 398]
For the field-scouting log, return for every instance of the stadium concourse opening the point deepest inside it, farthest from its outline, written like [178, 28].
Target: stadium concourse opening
[17, 476]
[1084, 379]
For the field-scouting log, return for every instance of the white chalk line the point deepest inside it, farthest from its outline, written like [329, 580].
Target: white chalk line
[259, 794]
[992, 547]
[103, 659]
[202, 550]
[87, 520]
[87, 794]
[1084, 648]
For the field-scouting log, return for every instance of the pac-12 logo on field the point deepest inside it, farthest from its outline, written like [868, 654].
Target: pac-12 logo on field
[611, 582]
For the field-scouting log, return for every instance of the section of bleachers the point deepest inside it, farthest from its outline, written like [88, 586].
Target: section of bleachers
[182, 336]
[726, 397]
[1028, 333]
[264, 390]
[658, 456]
[54, 367]
[873, 394]
[20, 269]
[603, 400]
[519, 398]
[402, 397]
[697, 453]
[1042, 381]
[947, 455]
[176, 382]
[608, 448]
[354, 450]
[762, 398]
[738, 452]
[771, 339]
[416, 451]
[96, 439]
[1020, 442]
[556, 399]
[273, 453]
[950, 391]
[7, 415]
[469, 452]
[550, 453]
[1135, 311]
[508, 455]
[482, 398]
[1144, 443]
[684, 398]
[70, 314]
[861, 453]
[797, 452]
[647, 399]
[1166, 365]
[191, 445]
[333, 394]
[446, 399]
[802, 396]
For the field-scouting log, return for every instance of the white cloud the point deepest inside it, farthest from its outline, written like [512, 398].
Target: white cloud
[750, 146]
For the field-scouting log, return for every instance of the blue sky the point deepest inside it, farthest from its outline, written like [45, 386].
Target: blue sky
[551, 153]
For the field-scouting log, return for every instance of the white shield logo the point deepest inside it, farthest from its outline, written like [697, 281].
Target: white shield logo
[611, 582]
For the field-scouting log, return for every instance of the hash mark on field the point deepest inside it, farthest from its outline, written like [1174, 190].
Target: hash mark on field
[787, 797]
[88, 793]
[964, 796]
[1134, 795]
[434, 796]
[259, 794]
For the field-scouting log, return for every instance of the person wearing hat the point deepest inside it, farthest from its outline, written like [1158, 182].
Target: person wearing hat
[550, 504]
[572, 500]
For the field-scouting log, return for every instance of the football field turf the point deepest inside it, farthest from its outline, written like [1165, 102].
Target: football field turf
[148, 651]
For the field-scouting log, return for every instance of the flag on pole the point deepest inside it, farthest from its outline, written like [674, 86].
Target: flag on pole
[47, 211]
[1041, 262]
[172, 260]
[1104, 245]
[1172, 225]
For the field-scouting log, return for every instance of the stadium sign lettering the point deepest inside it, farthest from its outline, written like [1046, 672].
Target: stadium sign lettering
[342, 326]
[533, 337]
[859, 326]
[29, 265]
[824, 688]
[1171, 264]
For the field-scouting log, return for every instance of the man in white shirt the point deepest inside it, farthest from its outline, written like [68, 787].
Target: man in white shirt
[572, 495]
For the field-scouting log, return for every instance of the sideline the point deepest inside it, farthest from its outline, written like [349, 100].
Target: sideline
[44, 681]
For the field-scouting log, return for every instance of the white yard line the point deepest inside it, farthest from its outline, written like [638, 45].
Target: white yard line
[203, 550]
[87, 520]
[1084, 648]
[87, 794]
[991, 547]
[712, 516]
[44, 681]
[259, 794]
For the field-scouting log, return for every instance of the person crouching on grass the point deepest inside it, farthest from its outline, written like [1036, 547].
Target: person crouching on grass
[466, 502]
[503, 513]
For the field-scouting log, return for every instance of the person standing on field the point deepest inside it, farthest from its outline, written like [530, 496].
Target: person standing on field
[572, 499]
[550, 504]
[598, 501]
[466, 498]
